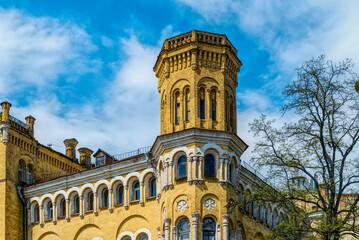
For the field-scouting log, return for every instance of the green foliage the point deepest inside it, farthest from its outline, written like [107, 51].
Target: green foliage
[318, 145]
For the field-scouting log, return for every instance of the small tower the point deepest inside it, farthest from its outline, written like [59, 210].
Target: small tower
[71, 147]
[197, 80]
[85, 156]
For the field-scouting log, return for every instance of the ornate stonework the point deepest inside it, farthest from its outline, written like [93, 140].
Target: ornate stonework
[210, 203]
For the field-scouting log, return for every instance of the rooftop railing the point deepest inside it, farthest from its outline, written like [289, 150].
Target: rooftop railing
[132, 153]
[252, 170]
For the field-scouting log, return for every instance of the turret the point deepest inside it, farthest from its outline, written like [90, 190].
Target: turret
[71, 147]
[197, 80]
[30, 121]
[5, 111]
[85, 156]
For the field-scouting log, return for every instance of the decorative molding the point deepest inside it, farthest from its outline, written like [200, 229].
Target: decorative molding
[210, 203]
[181, 205]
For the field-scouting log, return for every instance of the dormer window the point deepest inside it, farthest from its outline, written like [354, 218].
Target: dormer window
[100, 161]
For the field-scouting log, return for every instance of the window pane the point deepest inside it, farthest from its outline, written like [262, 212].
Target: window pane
[182, 166]
[143, 237]
[209, 166]
[100, 161]
[153, 188]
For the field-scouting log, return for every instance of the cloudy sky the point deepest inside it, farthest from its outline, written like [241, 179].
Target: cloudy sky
[83, 69]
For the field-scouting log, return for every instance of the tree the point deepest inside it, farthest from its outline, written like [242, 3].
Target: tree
[314, 158]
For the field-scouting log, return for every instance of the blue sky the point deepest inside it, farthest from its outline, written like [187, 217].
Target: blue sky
[83, 69]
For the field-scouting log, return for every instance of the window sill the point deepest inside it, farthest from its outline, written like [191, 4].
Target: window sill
[118, 204]
[61, 217]
[88, 211]
[35, 223]
[180, 178]
[103, 208]
[134, 201]
[75, 214]
[48, 220]
[151, 198]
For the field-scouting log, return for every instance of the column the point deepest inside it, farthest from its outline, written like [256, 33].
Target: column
[239, 226]
[141, 193]
[208, 108]
[170, 164]
[95, 195]
[81, 207]
[195, 159]
[225, 226]
[200, 170]
[167, 228]
[221, 179]
[41, 213]
[68, 210]
[159, 182]
[54, 212]
[166, 175]
[190, 170]
[110, 195]
[195, 226]
[218, 231]
[159, 233]
[125, 187]
[174, 233]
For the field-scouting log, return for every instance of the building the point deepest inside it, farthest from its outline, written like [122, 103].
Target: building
[183, 187]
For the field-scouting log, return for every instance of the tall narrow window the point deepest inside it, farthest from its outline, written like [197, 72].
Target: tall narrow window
[183, 228]
[21, 172]
[62, 208]
[201, 104]
[274, 217]
[214, 105]
[230, 174]
[104, 198]
[136, 190]
[177, 108]
[153, 187]
[29, 174]
[120, 194]
[49, 210]
[182, 167]
[36, 213]
[76, 205]
[231, 113]
[254, 209]
[209, 229]
[187, 105]
[267, 219]
[89, 203]
[209, 166]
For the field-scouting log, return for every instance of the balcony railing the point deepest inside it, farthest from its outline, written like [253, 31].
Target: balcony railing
[132, 153]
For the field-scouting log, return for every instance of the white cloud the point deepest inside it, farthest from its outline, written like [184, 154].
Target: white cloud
[35, 51]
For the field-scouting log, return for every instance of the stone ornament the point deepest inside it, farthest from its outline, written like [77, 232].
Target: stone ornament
[181, 205]
[210, 203]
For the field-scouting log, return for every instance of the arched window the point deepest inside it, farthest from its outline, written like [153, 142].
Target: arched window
[49, 210]
[254, 209]
[267, 216]
[188, 105]
[246, 205]
[143, 237]
[153, 187]
[230, 172]
[182, 167]
[29, 174]
[136, 190]
[177, 107]
[89, 201]
[76, 207]
[126, 238]
[104, 198]
[202, 104]
[183, 229]
[119, 194]
[209, 228]
[260, 212]
[21, 171]
[240, 198]
[214, 105]
[274, 217]
[61, 211]
[36, 213]
[209, 166]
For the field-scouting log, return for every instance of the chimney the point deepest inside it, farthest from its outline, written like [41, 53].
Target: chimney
[85, 156]
[5, 111]
[71, 147]
[30, 121]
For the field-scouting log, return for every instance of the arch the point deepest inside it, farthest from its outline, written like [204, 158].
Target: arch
[49, 236]
[35, 211]
[129, 222]
[142, 231]
[101, 182]
[117, 180]
[72, 190]
[258, 236]
[85, 187]
[89, 231]
[130, 176]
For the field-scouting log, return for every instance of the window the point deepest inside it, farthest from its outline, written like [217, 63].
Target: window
[209, 228]
[104, 198]
[100, 161]
[21, 171]
[214, 105]
[36, 214]
[136, 190]
[267, 216]
[230, 174]
[187, 105]
[126, 238]
[48, 211]
[143, 237]
[201, 104]
[260, 212]
[62, 208]
[183, 229]
[29, 174]
[182, 167]
[76, 205]
[254, 209]
[274, 217]
[89, 201]
[177, 108]
[153, 187]
[209, 166]
[119, 194]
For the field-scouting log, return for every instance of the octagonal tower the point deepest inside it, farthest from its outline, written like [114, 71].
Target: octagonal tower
[197, 81]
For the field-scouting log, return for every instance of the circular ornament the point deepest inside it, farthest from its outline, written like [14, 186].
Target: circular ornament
[210, 203]
[181, 205]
